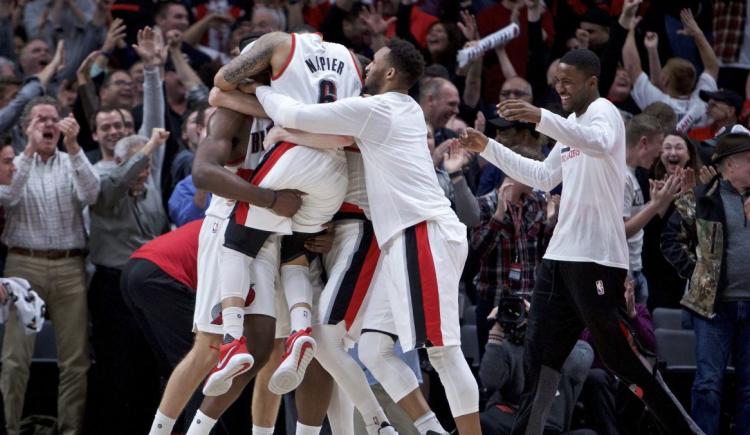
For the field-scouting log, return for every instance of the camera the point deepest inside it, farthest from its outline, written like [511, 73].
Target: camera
[511, 316]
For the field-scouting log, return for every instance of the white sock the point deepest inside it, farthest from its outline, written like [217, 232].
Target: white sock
[300, 318]
[298, 290]
[426, 423]
[307, 430]
[162, 424]
[259, 430]
[201, 425]
[233, 318]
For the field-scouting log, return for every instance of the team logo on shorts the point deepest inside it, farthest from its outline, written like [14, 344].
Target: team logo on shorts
[599, 287]
[214, 227]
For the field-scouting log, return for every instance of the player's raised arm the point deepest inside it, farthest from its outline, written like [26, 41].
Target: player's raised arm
[271, 49]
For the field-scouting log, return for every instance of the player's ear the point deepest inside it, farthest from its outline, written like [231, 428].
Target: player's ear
[390, 74]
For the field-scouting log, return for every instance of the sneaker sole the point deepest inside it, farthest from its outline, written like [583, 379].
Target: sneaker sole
[290, 373]
[220, 381]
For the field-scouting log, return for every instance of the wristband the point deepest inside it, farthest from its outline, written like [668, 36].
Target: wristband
[273, 202]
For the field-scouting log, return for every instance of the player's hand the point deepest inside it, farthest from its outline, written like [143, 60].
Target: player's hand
[651, 40]
[582, 36]
[473, 140]
[468, 26]
[627, 19]
[248, 86]
[322, 243]
[286, 202]
[275, 135]
[481, 122]
[455, 158]
[519, 110]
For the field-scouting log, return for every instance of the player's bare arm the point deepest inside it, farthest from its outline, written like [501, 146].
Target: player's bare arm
[238, 101]
[224, 143]
[271, 49]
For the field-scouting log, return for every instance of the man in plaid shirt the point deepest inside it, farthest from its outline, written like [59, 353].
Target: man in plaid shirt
[510, 240]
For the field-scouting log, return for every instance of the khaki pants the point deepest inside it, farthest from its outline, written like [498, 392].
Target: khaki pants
[61, 284]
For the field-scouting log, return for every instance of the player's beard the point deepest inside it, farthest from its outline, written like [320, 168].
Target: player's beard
[373, 84]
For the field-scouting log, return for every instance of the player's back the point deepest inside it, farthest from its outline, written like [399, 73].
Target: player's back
[317, 71]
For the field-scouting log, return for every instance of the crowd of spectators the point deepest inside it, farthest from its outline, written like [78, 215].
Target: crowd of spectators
[103, 104]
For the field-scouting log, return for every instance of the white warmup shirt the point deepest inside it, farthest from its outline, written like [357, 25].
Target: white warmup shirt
[690, 111]
[589, 159]
[390, 131]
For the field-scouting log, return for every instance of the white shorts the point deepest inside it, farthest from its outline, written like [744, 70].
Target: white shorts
[283, 322]
[320, 174]
[350, 266]
[415, 290]
[260, 280]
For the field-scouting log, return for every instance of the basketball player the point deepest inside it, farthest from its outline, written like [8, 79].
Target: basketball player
[350, 267]
[581, 279]
[304, 66]
[422, 242]
[225, 144]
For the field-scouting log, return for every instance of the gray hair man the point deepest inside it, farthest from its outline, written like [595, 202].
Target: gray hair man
[46, 241]
[127, 214]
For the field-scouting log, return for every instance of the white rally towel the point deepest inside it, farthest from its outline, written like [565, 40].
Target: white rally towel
[30, 308]
[502, 36]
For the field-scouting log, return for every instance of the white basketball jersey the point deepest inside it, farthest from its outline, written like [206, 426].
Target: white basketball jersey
[255, 149]
[318, 71]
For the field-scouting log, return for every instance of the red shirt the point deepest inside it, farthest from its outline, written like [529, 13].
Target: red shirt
[176, 253]
[703, 133]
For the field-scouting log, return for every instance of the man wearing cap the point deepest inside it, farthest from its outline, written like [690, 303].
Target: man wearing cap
[708, 243]
[514, 134]
[724, 107]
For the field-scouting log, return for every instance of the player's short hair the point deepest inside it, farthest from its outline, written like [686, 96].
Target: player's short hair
[681, 75]
[38, 101]
[664, 113]
[407, 60]
[642, 125]
[583, 60]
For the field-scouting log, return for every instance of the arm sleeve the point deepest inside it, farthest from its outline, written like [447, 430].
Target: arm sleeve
[596, 138]
[153, 117]
[10, 113]
[85, 178]
[467, 207]
[116, 183]
[545, 175]
[357, 117]
[645, 93]
[11, 195]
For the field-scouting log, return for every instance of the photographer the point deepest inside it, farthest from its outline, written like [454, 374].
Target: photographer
[501, 372]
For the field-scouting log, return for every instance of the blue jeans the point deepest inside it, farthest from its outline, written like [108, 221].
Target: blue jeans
[715, 339]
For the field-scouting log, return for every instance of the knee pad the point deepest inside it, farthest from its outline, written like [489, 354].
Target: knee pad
[460, 386]
[297, 286]
[234, 279]
[376, 353]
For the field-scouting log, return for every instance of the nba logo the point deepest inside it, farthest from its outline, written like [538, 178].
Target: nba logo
[214, 228]
[599, 287]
